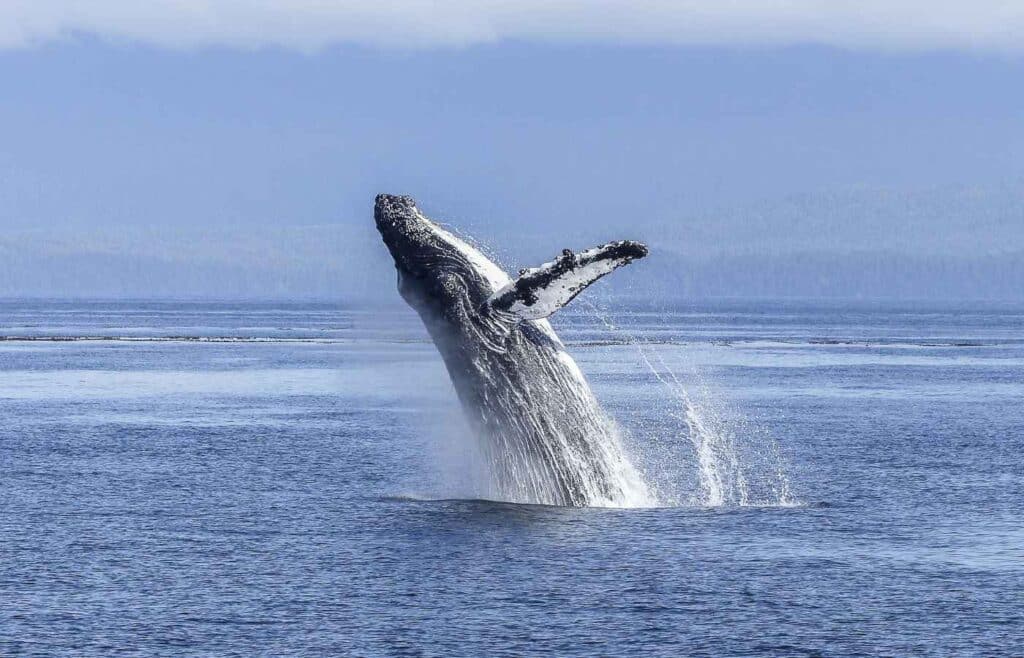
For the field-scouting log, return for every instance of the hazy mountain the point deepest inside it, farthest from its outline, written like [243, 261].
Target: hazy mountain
[953, 242]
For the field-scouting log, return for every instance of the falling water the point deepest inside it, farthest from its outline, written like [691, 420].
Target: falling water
[544, 437]
[737, 462]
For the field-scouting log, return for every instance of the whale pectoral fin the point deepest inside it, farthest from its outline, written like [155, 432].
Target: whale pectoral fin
[540, 291]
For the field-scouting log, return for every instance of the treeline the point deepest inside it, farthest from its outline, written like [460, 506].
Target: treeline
[854, 275]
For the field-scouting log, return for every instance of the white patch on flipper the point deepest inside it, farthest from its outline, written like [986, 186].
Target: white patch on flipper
[561, 288]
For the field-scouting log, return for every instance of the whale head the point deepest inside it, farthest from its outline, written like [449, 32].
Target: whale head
[439, 274]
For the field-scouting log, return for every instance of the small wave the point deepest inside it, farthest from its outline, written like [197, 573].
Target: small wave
[512, 505]
[509, 504]
[485, 502]
[609, 342]
[168, 339]
[796, 342]
[206, 339]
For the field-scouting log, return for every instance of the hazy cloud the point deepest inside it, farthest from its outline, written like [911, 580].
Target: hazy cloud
[992, 25]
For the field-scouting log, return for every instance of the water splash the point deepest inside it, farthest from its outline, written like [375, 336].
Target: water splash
[471, 465]
[544, 437]
[736, 461]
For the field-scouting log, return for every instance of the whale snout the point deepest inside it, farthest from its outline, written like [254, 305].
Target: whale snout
[394, 212]
[390, 204]
[401, 225]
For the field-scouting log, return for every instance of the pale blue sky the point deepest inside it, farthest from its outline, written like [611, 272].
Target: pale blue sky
[100, 133]
[112, 127]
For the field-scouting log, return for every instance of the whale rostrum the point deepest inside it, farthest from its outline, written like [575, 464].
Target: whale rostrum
[545, 437]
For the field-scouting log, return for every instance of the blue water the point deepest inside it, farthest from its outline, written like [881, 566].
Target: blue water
[300, 482]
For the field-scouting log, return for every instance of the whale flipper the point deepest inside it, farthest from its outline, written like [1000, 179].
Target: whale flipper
[540, 291]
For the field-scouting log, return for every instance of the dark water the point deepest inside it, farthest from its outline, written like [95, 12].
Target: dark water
[312, 494]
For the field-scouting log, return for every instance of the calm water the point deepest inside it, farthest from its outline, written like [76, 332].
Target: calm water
[835, 481]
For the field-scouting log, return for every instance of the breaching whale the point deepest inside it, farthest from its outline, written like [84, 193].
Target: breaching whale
[546, 438]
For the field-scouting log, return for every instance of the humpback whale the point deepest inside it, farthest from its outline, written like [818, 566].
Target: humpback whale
[545, 436]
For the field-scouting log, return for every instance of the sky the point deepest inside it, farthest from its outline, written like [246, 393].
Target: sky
[233, 148]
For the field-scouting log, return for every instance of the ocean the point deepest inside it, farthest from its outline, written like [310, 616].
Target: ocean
[831, 479]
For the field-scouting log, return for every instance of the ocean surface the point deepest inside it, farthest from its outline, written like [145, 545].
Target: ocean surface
[282, 478]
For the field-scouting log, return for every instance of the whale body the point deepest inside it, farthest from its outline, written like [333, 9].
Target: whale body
[545, 436]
